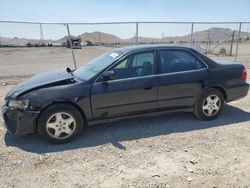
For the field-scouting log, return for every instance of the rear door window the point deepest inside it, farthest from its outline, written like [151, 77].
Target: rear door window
[172, 61]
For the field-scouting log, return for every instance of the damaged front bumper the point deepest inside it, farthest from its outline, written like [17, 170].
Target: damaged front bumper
[19, 122]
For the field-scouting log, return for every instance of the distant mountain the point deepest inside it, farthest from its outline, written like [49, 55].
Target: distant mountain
[95, 37]
[21, 41]
[100, 37]
[215, 34]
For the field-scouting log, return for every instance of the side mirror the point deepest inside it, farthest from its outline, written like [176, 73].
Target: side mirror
[108, 75]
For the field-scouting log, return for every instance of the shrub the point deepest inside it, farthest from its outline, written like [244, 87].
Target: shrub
[222, 51]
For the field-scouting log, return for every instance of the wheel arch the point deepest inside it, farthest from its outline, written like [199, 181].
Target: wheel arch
[218, 87]
[222, 90]
[85, 122]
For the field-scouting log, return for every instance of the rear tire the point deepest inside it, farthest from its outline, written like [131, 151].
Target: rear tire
[60, 123]
[209, 104]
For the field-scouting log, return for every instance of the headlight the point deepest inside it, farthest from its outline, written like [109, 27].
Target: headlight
[20, 104]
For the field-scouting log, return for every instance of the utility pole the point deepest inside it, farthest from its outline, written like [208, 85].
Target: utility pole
[163, 38]
[136, 32]
[41, 33]
[232, 42]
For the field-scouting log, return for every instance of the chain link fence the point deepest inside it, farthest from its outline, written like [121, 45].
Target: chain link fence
[28, 48]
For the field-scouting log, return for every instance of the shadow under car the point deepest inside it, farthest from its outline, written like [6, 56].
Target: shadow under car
[134, 129]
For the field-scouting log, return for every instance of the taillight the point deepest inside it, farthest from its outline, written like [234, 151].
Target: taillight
[243, 75]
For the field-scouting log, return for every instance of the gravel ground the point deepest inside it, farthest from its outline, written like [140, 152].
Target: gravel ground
[174, 150]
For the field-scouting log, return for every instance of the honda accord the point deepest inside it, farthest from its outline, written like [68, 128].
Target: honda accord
[122, 83]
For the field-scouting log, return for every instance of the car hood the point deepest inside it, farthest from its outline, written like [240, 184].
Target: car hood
[48, 79]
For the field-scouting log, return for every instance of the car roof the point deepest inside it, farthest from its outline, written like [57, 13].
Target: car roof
[149, 47]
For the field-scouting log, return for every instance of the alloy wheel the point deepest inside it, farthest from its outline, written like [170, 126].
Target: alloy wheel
[61, 125]
[211, 105]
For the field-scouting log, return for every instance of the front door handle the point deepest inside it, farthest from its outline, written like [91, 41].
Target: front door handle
[148, 88]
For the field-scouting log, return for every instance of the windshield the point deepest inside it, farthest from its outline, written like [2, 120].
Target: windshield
[95, 66]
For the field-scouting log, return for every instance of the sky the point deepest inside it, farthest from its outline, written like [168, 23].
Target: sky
[116, 11]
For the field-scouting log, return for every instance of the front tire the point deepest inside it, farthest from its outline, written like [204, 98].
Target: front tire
[60, 123]
[209, 104]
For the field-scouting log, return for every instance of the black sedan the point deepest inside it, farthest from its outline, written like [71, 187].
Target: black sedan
[124, 82]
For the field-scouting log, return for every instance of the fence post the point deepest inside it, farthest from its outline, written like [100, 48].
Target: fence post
[238, 41]
[136, 33]
[71, 45]
[232, 43]
[207, 41]
[192, 34]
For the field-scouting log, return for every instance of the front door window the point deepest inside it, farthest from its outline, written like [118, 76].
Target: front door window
[137, 65]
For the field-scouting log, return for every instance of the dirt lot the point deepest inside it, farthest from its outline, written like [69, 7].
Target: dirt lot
[174, 150]
[28, 61]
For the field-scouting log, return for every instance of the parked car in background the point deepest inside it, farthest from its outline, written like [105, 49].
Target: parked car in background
[75, 42]
[124, 82]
